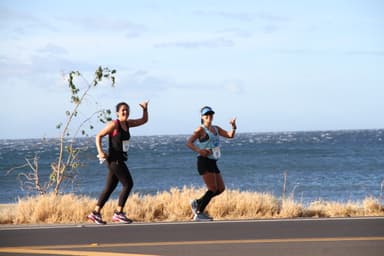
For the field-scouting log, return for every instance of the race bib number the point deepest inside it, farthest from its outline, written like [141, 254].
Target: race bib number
[125, 145]
[216, 153]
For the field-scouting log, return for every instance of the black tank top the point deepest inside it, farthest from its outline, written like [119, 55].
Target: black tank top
[116, 140]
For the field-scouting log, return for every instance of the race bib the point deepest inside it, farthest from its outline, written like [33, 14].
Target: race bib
[125, 145]
[216, 153]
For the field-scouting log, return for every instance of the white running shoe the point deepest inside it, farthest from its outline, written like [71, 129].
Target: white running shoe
[202, 217]
[194, 206]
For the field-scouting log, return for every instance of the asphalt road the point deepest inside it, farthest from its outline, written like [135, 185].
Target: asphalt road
[335, 236]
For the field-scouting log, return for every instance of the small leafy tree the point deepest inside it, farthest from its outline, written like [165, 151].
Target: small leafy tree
[64, 168]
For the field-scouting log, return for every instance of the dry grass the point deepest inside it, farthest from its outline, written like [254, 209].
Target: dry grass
[173, 205]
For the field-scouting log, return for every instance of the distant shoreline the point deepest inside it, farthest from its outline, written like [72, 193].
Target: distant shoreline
[186, 134]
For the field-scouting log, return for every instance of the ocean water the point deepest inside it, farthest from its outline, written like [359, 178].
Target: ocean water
[324, 165]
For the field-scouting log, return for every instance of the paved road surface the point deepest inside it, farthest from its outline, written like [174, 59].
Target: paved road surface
[336, 236]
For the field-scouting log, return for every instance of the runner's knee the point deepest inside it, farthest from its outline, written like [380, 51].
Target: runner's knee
[219, 191]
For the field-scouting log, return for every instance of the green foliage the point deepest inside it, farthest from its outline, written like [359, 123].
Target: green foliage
[104, 116]
[64, 168]
[67, 163]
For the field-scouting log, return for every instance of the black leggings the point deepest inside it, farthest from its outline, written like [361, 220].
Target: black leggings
[205, 199]
[117, 171]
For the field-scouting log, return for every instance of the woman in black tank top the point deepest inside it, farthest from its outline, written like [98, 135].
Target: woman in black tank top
[118, 133]
[116, 142]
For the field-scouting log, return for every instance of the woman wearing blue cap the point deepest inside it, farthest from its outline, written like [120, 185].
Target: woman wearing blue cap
[205, 141]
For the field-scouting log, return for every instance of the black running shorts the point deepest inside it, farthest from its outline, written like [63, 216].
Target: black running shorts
[205, 165]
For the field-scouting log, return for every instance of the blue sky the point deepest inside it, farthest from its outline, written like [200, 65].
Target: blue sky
[275, 65]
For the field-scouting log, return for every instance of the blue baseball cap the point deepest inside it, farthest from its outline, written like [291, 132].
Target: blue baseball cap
[207, 111]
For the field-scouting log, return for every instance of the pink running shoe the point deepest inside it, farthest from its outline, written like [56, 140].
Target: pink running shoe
[121, 218]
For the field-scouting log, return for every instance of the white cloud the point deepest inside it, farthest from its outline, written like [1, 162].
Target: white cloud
[20, 23]
[197, 44]
[234, 87]
[105, 25]
[53, 49]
